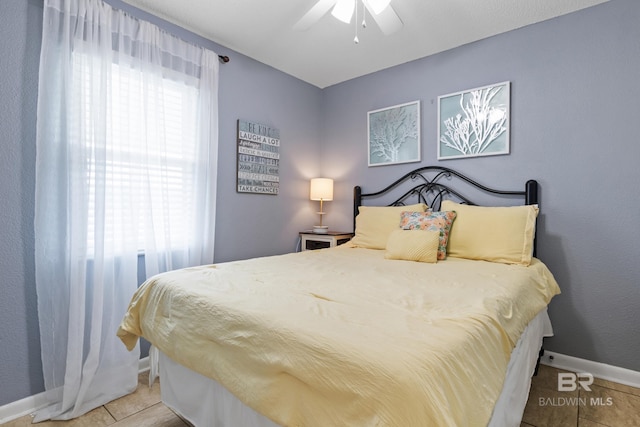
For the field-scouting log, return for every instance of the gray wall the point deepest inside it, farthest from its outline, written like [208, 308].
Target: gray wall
[575, 113]
[20, 367]
[247, 225]
[574, 92]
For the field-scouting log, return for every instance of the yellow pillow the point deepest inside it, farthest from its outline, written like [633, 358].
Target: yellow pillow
[413, 245]
[375, 223]
[498, 234]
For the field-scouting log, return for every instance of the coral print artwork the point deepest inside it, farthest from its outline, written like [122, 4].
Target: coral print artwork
[394, 134]
[474, 122]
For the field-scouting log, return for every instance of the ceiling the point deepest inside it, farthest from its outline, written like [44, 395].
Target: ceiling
[326, 54]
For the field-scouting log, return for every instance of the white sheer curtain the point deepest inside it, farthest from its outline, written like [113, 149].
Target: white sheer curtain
[125, 174]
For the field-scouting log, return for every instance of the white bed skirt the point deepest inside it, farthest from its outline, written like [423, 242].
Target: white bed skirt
[205, 403]
[515, 391]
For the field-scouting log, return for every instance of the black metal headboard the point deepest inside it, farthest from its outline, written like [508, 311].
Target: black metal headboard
[434, 184]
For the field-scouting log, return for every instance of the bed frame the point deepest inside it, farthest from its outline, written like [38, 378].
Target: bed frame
[434, 184]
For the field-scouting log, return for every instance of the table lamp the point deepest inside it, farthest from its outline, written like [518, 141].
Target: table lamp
[322, 190]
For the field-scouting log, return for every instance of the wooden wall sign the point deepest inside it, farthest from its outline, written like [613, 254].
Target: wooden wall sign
[258, 158]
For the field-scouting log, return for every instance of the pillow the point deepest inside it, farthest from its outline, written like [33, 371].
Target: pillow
[375, 223]
[413, 245]
[434, 221]
[498, 234]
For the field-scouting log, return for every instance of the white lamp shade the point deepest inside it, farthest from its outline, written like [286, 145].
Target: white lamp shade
[321, 189]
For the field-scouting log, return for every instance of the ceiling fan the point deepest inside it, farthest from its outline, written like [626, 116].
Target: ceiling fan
[380, 10]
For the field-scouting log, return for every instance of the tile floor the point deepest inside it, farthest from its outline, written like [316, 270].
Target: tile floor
[141, 408]
[607, 404]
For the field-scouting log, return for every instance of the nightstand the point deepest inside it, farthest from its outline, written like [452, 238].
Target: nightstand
[310, 240]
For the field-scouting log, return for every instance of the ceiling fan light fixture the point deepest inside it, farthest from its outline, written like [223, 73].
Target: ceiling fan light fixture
[377, 6]
[387, 19]
[343, 10]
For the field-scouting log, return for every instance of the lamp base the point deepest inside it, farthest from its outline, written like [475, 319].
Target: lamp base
[320, 229]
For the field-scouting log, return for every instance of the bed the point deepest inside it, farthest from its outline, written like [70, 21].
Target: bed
[427, 317]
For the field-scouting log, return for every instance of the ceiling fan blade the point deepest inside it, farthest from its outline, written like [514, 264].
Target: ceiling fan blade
[388, 20]
[377, 5]
[343, 10]
[314, 14]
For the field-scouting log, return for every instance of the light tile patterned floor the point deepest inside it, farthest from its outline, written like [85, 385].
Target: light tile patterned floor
[142, 408]
[547, 407]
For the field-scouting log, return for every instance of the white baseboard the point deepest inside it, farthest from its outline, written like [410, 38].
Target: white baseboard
[143, 366]
[22, 407]
[28, 405]
[598, 370]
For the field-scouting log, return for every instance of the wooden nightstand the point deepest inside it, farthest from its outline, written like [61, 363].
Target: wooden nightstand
[310, 240]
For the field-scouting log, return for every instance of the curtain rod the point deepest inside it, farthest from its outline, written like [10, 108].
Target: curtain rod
[224, 58]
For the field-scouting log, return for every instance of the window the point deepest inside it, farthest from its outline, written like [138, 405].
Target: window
[147, 162]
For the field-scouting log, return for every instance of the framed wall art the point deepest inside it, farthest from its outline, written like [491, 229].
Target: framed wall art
[474, 122]
[394, 134]
[258, 158]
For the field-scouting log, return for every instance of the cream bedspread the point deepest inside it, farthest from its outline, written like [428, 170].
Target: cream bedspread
[343, 337]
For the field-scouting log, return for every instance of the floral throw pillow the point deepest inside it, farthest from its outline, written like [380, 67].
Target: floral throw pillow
[436, 221]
